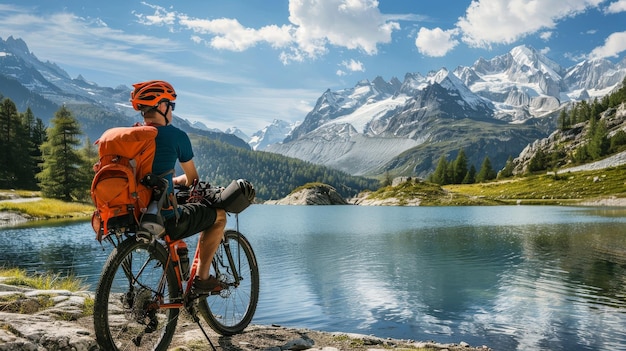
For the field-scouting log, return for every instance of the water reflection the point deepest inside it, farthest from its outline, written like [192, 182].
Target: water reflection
[68, 248]
[512, 278]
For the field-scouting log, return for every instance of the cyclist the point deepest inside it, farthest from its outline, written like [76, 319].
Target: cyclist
[155, 100]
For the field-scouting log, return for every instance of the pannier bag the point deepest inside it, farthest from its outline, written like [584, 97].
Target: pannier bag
[236, 197]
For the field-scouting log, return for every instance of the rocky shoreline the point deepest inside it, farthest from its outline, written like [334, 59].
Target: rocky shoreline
[37, 320]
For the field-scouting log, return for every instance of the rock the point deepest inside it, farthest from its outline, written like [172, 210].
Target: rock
[298, 344]
[318, 194]
[568, 141]
[9, 218]
[56, 325]
[39, 332]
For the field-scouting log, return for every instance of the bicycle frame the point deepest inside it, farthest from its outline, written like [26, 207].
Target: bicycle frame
[174, 259]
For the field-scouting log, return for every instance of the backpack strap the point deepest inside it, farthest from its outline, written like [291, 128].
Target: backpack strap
[160, 191]
[171, 197]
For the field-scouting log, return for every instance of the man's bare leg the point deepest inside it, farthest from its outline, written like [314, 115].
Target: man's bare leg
[209, 241]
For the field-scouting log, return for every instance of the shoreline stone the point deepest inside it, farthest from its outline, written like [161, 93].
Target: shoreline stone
[60, 324]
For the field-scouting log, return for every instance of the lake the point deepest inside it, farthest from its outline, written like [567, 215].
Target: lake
[509, 277]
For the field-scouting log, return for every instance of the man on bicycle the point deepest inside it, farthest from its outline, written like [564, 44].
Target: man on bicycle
[155, 100]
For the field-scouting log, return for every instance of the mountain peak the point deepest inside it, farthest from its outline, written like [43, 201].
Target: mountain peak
[274, 133]
[527, 56]
[17, 45]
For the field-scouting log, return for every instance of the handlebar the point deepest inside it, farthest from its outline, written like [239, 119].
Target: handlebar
[235, 198]
[199, 191]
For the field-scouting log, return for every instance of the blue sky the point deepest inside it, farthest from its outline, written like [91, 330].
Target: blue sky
[245, 63]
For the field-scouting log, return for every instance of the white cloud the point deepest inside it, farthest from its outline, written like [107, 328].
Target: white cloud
[314, 25]
[353, 24]
[353, 66]
[545, 36]
[87, 44]
[616, 7]
[489, 22]
[613, 46]
[229, 34]
[435, 42]
[161, 16]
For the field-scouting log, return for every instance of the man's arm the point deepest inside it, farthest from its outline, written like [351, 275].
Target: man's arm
[191, 173]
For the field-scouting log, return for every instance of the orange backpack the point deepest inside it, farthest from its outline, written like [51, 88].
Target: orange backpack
[126, 155]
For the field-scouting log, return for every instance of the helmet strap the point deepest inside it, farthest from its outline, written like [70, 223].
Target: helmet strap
[156, 109]
[165, 114]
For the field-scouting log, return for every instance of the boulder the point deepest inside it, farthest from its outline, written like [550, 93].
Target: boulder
[318, 194]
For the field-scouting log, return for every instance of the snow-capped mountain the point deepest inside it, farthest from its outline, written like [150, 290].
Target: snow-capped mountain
[238, 132]
[43, 87]
[49, 81]
[493, 108]
[274, 133]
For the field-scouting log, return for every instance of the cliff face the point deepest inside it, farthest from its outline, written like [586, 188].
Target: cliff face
[320, 194]
[568, 141]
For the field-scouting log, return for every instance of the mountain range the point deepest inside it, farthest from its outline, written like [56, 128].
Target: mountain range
[494, 108]
[44, 86]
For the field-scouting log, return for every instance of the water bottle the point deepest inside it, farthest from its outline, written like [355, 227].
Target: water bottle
[183, 259]
[152, 221]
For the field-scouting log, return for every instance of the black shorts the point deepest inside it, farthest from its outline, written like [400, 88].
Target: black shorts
[194, 218]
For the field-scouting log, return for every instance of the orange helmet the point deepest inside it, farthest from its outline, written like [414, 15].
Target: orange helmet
[151, 93]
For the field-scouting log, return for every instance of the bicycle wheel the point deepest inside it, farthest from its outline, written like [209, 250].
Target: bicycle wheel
[126, 308]
[230, 311]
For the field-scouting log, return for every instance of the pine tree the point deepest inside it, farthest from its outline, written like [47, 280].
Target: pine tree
[440, 174]
[507, 171]
[63, 175]
[38, 137]
[599, 143]
[537, 162]
[564, 122]
[31, 154]
[470, 177]
[486, 172]
[14, 145]
[460, 167]
[617, 141]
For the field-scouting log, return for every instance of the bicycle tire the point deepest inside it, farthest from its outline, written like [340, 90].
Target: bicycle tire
[230, 311]
[125, 315]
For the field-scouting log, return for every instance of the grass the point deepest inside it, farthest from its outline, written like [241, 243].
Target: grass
[48, 281]
[428, 194]
[309, 186]
[15, 303]
[8, 194]
[563, 188]
[49, 208]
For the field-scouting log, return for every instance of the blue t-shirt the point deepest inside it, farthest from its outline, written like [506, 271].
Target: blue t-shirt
[172, 144]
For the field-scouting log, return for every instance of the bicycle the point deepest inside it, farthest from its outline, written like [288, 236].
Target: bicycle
[144, 284]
